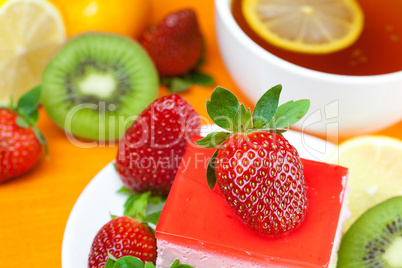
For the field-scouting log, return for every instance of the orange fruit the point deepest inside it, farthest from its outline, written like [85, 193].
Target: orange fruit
[126, 17]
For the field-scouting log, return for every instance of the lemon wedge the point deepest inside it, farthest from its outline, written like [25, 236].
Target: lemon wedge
[375, 171]
[307, 26]
[30, 31]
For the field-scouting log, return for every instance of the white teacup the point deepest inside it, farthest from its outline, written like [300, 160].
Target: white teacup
[340, 104]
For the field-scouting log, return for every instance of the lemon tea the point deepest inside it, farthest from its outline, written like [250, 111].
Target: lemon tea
[378, 50]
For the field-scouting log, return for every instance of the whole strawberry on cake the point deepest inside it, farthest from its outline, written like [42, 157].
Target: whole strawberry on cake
[258, 171]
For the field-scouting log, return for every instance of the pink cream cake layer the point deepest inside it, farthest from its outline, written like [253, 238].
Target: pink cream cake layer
[198, 227]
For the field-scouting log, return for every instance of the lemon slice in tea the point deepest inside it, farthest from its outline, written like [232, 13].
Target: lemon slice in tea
[30, 31]
[308, 26]
[375, 171]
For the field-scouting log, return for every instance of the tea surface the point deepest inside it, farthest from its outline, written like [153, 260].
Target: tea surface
[377, 51]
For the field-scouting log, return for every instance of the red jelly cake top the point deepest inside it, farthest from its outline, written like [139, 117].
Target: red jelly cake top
[198, 217]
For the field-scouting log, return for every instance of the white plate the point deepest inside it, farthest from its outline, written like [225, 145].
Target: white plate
[100, 199]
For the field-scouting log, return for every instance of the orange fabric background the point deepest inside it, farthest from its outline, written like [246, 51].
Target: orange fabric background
[34, 208]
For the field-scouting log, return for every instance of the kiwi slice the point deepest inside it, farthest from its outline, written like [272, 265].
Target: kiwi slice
[375, 239]
[96, 84]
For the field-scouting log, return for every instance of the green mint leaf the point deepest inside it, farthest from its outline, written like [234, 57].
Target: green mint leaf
[222, 107]
[266, 107]
[135, 206]
[22, 122]
[129, 262]
[289, 113]
[149, 265]
[29, 102]
[124, 190]
[242, 120]
[175, 264]
[211, 176]
[153, 217]
[213, 139]
[202, 79]
[110, 261]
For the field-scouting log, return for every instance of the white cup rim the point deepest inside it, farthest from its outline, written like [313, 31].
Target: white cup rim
[224, 10]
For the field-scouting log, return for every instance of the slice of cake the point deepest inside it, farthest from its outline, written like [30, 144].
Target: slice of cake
[198, 226]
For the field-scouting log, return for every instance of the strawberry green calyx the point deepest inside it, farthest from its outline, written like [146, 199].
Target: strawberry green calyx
[178, 84]
[27, 111]
[226, 111]
[133, 262]
[136, 206]
[130, 235]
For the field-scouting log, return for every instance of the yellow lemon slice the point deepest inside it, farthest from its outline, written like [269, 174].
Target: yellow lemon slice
[307, 26]
[30, 31]
[375, 171]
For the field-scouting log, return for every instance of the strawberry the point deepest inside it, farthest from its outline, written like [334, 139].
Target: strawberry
[175, 44]
[122, 236]
[258, 171]
[151, 149]
[20, 140]
[128, 235]
[264, 174]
